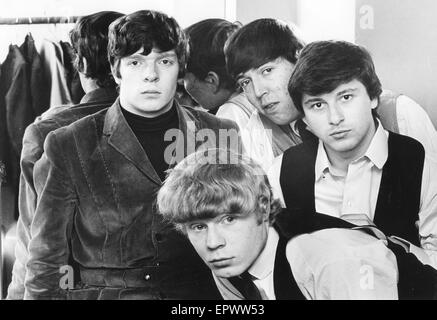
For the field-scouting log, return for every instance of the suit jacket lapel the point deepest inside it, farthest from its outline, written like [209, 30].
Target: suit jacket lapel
[124, 141]
[186, 142]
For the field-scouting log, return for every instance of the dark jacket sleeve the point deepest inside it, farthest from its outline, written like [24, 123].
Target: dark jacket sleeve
[32, 150]
[50, 228]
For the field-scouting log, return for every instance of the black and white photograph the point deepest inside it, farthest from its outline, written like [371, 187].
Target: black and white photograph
[216, 152]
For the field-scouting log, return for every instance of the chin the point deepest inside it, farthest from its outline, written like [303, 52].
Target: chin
[345, 146]
[283, 120]
[276, 120]
[228, 272]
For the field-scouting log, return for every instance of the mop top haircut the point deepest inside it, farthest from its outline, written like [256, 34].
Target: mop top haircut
[148, 30]
[325, 65]
[89, 39]
[210, 183]
[259, 42]
[207, 39]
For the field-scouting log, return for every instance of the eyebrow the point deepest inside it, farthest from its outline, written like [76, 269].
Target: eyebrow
[159, 54]
[342, 92]
[312, 100]
[348, 90]
[167, 54]
[135, 55]
[240, 76]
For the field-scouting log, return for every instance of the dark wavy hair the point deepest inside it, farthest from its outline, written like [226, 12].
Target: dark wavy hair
[259, 42]
[89, 39]
[207, 40]
[146, 29]
[324, 65]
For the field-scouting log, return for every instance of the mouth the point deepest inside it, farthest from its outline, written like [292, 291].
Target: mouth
[151, 92]
[269, 106]
[339, 134]
[220, 263]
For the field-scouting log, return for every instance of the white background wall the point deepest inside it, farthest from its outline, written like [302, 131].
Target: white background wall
[403, 43]
[248, 10]
[336, 16]
[316, 19]
[326, 20]
[186, 12]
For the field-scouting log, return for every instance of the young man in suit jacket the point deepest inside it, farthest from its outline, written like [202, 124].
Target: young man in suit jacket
[96, 213]
[223, 203]
[100, 92]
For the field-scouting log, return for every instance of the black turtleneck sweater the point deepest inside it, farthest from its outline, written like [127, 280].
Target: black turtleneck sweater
[150, 133]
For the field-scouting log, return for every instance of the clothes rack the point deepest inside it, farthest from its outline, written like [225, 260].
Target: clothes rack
[38, 20]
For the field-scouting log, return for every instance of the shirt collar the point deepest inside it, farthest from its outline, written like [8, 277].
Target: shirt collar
[377, 152]
[322, 161]
[265, 263]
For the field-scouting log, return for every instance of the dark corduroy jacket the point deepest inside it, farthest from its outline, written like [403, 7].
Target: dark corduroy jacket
[97, 211]
[33, 143]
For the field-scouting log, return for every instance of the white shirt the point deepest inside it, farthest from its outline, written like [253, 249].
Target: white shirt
[357, 192]
[327, 264]
[343, 264]
[257, 141]
[337, 194]
[262, 268]
[413, 121]
[237, 109]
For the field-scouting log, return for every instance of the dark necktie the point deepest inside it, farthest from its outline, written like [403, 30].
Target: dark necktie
[245, 285]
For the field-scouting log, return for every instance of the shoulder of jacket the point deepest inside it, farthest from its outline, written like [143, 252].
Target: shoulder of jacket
[211, 121]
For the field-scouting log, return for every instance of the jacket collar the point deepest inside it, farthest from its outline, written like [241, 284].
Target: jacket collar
[100, 95]
[122, 138]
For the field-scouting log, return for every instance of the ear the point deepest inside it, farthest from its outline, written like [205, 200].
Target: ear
[264, 204]
[267, 213]
[114, 74]
[212, 79]
[85, 65]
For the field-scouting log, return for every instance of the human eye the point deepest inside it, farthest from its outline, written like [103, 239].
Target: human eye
[243, 83]
[228, 219]
[133, 62]
[267, 70]
[197, 227]
[346, 97]
[317, 106]
[167, 61]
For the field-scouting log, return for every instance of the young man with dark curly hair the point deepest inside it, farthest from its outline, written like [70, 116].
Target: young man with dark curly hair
[89, 39]
[96, 210]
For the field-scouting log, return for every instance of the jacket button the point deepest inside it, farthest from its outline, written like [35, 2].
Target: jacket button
[147, 277]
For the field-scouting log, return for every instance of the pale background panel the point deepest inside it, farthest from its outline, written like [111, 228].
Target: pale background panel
[403, 40]
[403, 43]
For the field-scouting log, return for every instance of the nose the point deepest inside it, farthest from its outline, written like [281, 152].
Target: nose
[336, 115]
[214, 239]
[259, 88]
[150, 73]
